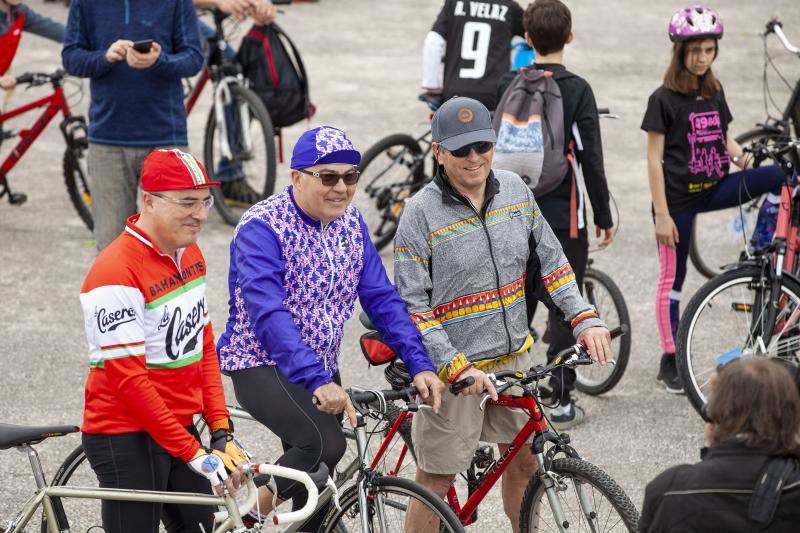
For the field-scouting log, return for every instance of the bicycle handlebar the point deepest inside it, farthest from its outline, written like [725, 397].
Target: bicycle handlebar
[280, 471]
[376, 396]
[40, 78]
[776, 26]
[762, 152]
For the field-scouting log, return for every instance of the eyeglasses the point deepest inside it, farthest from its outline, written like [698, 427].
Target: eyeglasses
[480, 147]
[330, 178]
[188, 205]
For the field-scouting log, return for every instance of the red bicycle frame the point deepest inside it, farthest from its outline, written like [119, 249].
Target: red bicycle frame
[465, 513]
[55, 103]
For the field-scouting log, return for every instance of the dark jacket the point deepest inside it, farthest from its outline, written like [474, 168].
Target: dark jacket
[134, 107]
[579, 108]
[714, 494]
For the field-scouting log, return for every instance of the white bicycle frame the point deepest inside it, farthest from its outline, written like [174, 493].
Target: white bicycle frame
[222, 98]
[230, 518]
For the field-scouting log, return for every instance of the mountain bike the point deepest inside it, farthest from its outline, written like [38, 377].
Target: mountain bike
[73, 128]
[566, 494]
[752, 310]
[230, 519]
[719, 237]
[239, 142]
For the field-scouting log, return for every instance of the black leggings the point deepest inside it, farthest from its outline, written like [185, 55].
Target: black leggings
[136, 461]
[308, 435]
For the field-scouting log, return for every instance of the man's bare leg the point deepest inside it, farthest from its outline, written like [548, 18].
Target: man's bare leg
[418, 518]
[515, 479]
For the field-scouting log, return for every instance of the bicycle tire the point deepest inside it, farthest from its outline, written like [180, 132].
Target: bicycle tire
[704, 264]
[610, 374]
[700, 302]
[377, 204]
[535, 496]
[229, 211]
[65, 472]
[401, 488]
[78, 186]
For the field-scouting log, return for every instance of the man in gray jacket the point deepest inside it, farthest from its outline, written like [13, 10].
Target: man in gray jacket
[461, 252]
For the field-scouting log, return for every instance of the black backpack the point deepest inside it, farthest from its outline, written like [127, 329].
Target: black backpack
[277, 75]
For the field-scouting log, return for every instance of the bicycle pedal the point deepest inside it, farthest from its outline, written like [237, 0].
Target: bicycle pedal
[17, 198]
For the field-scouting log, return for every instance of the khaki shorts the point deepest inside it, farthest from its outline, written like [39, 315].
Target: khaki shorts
[445, 442]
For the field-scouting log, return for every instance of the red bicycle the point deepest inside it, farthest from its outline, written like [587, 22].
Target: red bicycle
[567, 493]
[73, 128]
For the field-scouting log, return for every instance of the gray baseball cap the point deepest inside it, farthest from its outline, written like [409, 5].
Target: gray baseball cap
[461, 121]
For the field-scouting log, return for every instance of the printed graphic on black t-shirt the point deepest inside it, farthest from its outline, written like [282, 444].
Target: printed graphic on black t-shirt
[478, 52]
[695, 149]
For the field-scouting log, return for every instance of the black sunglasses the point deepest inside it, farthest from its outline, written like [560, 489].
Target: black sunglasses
[330, 178]
[480, 147]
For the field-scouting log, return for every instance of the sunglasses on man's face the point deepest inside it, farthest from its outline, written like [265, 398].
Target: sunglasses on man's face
[330, 178]
[480, 148]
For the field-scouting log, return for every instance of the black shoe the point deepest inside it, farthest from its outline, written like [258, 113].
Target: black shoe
[567, 416]
[668, 374]
[239, 193]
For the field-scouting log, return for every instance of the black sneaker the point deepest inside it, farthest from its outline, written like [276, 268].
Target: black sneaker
[668, 374]
[239, 193]
[567, 416]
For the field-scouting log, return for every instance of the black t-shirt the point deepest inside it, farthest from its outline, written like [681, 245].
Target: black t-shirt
[478, 51]
[695, 149]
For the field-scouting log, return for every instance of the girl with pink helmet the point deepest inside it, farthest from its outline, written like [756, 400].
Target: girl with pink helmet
[690, 158]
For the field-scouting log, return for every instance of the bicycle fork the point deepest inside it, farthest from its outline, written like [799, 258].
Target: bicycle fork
[223, 105]
[552, 486]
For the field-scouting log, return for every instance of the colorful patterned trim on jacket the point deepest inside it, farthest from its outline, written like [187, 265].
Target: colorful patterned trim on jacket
[590, 313]
[559, 279]
[404, 254]
[471, 306]
[495, 216]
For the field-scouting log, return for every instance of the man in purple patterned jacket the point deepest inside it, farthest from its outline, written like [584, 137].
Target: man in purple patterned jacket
[298, 262]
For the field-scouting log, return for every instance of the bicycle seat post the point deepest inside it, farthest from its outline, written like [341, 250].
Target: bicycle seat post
[36, 465]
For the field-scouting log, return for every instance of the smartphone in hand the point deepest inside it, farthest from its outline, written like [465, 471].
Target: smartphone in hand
[143, 46]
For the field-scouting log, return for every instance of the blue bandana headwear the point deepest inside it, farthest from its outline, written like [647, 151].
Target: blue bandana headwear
[324, 145]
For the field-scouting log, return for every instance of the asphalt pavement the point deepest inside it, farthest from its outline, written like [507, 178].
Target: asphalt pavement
[364, 63]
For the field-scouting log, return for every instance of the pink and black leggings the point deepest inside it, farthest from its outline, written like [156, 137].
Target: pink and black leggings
[730, 192]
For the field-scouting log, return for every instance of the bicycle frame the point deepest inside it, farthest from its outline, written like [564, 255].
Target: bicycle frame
[533, 425]
[55, 102]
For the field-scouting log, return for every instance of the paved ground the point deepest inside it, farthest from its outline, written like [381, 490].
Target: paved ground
[363, 59]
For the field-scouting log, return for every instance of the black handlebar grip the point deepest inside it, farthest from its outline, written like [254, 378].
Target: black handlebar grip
[460, 385]
[619, 331]
[603, 111]
[25, 78]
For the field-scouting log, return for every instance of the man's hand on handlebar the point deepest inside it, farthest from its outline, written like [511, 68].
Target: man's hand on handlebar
[482, 383]
[597, 341]
[262, 11]
[430, 387]
[8, 82]
[333, 399]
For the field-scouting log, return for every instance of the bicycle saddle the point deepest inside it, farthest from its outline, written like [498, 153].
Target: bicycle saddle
[12, 435]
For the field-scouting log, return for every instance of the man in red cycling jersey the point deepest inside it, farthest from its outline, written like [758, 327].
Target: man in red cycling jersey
[152, 360]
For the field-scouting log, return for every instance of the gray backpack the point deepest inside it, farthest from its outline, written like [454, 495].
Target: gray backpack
[529, 122]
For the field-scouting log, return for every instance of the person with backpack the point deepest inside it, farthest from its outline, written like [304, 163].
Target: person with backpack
[549, 132]
[474, 38]
[748, 479]
[689, 153]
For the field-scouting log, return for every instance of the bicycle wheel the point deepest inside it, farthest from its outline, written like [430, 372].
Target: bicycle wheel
[602, 293]
[392, 170]
[388, 500]
[248, 176]
[75, 178]
[718, 237]
[588, 498]
[727, 316]
[76, 514]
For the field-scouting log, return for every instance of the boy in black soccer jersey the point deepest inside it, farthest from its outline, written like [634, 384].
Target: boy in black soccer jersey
[475, 40]
[548, 28]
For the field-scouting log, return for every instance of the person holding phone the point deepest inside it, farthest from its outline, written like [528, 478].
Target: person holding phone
[135, 55]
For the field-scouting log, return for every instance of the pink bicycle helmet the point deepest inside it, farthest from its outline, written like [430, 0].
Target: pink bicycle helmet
[695, 22]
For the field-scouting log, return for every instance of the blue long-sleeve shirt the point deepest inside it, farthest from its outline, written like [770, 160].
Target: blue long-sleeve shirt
[34, 23]
[293, 284]
[134, 107]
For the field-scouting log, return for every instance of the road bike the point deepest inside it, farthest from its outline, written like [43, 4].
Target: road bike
[239, 142]
[719, 237]
[338, 515]
[566, 494]
[46, 496]
[753, 308]
[73, 129]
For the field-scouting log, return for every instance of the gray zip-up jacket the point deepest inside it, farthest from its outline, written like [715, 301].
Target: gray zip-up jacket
[461, 272]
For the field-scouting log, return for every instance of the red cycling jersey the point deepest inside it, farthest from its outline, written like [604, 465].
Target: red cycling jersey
[151, 347]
